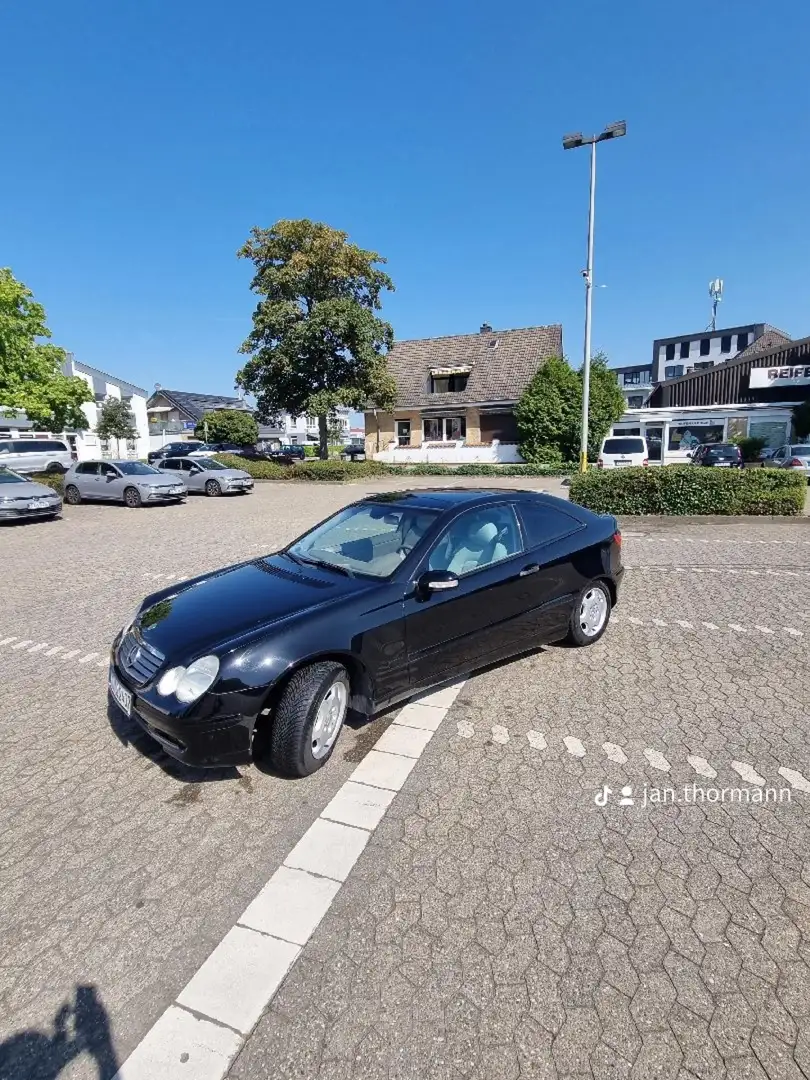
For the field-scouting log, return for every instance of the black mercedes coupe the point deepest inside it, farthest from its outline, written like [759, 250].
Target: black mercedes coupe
[390, 596]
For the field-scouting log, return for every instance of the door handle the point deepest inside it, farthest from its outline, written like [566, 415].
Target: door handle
[531, 569]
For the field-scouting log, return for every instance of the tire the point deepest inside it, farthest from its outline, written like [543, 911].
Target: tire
[590, 616]
[294, 749]
[132, 498]
[55, 469]
[72, 495]
[212, 488]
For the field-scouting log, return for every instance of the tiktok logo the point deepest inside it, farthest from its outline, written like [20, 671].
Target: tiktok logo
[602, 798]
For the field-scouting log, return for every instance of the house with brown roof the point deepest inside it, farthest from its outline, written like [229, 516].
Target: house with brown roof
[459, 391]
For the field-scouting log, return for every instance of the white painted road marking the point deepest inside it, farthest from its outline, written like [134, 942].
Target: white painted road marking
[748, 773]
[574, 746]
[291, 905]
[500, 734]
[614, 752]
[536, 740]
[465, 729]
[6, 640]
[795, 779]
[657, 760]
[701, 766]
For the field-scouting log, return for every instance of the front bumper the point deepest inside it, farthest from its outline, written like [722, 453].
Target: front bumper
[163, 496]
[202, 743]
[17, 513]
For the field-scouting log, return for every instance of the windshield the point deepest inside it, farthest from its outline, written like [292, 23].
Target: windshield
[9, 477]
[209, 464]
[724, 451]
[623, 446]
[136, 468]
[371, 539]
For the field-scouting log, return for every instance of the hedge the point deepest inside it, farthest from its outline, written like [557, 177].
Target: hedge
[338, 470]
[51, 480]
[687, 489]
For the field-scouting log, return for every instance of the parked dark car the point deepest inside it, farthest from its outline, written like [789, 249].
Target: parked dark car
[393, 594]
[723, 455]
[250, 453]
[294, 450]
[175, 449]
[353, 452]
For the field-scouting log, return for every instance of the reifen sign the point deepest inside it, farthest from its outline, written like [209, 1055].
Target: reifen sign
[779, 376]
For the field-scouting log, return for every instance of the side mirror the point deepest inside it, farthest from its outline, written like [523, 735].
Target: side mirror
[689, 455]
[436, 581]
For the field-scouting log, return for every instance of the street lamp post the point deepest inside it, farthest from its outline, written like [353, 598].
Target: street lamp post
[571, 142]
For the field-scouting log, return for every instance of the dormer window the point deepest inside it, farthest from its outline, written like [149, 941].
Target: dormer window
[449, 380]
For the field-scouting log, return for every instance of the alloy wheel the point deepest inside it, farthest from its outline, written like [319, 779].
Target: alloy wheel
[329, 719]
[593, 612]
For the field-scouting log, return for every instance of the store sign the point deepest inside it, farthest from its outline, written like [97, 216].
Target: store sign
[781, 376]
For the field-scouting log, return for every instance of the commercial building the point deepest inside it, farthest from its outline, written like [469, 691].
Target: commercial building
[753, 395]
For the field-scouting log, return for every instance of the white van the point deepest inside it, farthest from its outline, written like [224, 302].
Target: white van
[621, 451]
[35, 455]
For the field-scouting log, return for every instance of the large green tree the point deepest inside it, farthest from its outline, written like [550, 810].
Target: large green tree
[606, 403]
[548, 414]
[228, 425]
[31, 375]
[115, 421]
[316, 341]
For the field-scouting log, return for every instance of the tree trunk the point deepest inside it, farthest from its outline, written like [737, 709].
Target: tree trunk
[323, 438]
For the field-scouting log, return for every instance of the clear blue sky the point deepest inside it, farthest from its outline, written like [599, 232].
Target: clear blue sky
[144, 140]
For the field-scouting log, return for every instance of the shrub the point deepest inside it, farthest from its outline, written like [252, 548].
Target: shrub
[51, 480]
[684, 489]
[750, 447]
[337, 470]
[310, 451]
[259, 470]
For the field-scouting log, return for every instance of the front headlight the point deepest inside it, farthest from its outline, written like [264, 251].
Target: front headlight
[188, 684]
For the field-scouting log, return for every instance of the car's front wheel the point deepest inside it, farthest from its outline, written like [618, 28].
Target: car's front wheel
[72, 495]
[591, 614]
[213, 489]
[132, 497]
[309, 718]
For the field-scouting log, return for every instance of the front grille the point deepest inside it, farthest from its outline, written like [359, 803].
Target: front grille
[139, 660]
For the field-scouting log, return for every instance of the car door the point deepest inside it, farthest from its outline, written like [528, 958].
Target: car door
[780, 457]
[110, 482]
[85, 479]
[192, 475]
[458, 629]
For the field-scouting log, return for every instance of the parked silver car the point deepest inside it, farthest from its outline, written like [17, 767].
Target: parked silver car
[35, 455]
[796, 457]
[129, 482]
[24, 498]
[208, 476]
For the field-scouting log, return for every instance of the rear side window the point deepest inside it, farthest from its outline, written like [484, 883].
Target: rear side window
[542, 524]
[800, 451]
[623, 446]
[57, 447]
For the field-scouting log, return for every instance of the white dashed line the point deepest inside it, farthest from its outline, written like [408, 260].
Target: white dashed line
[90, 656]
[38, 648]
[500, 734]
[465, 729]
[795, 779]
[657, 760]
[748, 773]
[764, 629]
[614, 752]
[71, 653]
[536, 740]
[574, 746]
[659, 622]
[56, 649]
[8, 640]
[710, 626]
[701, 766]
[792, 632]
[207, 1025]
[683, 623]
[22, 644]
[736, 626]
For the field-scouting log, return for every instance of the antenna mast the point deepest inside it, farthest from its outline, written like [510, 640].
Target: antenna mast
[716, 294]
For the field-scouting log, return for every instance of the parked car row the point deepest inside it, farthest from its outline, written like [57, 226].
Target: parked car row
[284, 455]
[134, 484]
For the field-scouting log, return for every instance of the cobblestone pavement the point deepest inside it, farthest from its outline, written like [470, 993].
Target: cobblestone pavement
[499, 921]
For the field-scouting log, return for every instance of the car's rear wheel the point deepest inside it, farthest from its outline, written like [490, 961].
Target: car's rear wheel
[212, 488]
[72, 495]
[309, 718]
[55, 469]
[591, 614]
[132, 497]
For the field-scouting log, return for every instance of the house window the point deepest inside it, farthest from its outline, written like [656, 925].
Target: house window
[685, 345]
[725, 343]
[448, 384]
[635, 401]
[742, 342]
[703, 365]
[403, 433]
[705, 346]
[670, 352]
[444, 428]
[632, 378]
[673, 372]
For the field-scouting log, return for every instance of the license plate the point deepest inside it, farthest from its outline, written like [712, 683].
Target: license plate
[621, 464]
[122, 696]
[37, 504]
[723, 465]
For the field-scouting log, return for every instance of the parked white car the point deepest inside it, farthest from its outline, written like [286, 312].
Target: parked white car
[35, 455]
[622, 451]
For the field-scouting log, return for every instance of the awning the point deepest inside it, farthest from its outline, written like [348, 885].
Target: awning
[160, 408]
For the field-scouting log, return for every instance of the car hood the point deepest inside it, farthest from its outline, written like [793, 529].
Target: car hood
[28, 489]
[221, 608]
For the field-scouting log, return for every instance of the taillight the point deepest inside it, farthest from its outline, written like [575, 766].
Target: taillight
[646, 461]
[600, 463]
[796, 461]
[617, 539]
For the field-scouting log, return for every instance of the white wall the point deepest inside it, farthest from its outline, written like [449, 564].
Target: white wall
[453, 453]
[88, 445]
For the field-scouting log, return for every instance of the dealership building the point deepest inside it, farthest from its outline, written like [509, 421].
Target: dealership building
[751, 395]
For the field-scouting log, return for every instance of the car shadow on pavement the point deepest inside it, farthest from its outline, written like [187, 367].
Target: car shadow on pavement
[80, 1026]
[129, 733]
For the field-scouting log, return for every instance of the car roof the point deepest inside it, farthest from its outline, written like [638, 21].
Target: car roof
[445, 499]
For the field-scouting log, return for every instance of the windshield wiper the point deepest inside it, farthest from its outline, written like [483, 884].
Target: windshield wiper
[326, 565]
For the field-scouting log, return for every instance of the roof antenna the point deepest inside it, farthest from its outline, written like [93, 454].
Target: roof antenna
[716, 293]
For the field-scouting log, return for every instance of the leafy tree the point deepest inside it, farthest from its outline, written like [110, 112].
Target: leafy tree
[116, 421]
[606, 403]
[801, 419]
[31, 375]
[228, 425]
[548, 414]
[316, 342]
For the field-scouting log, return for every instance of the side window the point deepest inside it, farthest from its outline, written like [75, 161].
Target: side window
[108, 470]
[5, 447]
[478, 538]
[544, 524]
[187, 466]
[55, 447]
[87, 468]
[170, 464]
